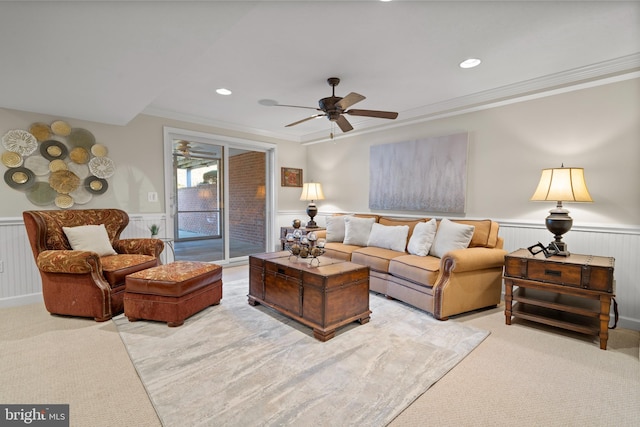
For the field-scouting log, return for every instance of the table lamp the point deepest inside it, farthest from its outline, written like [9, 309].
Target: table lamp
[562, 185]
[312, 191]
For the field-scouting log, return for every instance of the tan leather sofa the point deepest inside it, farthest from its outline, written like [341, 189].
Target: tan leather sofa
[81, 282]
[461, 280]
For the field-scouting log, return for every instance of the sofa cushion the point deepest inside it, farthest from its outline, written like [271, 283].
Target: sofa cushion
[422, 238]
[483, 235]
[375, 258]
[116, 267]
[419, 269]
[340, 250]
[357, 230]
[392, 237]
[335, 228]
[450, 236]
[385, 220]
[92, 238]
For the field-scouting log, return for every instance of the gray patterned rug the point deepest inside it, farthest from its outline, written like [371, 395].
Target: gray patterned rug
[239, 365]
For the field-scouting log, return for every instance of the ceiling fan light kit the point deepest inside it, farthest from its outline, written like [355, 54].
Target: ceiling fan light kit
[334, 107]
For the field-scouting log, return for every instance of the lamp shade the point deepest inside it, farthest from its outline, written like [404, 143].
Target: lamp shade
[312, 191]
[562, 185]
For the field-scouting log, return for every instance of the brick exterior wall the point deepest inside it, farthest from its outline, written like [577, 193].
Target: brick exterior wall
[247, 182]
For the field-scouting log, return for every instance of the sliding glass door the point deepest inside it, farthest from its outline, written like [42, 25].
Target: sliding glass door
[198, 226]
[220, 198]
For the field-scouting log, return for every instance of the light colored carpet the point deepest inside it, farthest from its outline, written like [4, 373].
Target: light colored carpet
[235, 364]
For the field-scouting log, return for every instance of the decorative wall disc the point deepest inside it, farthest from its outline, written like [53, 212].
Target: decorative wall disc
[79, 155]
[39, 165]
[61, 128]
[99, 150]
[20, 141]
[81, 138]
[41, 194]
[82, 171]
[41, 131]
[64, 201]
[96, 185]
[102, 167]
[19, 178]
[64, 181]
[81, 196]
[11, 159]
[53, 149]
[57, 165]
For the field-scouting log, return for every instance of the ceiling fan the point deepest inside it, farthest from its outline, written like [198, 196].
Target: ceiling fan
[186, 149]
[182, 147]
[334, 107]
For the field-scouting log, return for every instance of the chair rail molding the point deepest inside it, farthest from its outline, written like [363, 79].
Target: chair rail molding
[20, 280]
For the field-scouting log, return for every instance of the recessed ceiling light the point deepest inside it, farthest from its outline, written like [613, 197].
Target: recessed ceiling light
[223, 91]
[470, 63]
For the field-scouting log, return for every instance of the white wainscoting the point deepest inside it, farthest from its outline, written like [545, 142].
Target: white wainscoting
[20, 280]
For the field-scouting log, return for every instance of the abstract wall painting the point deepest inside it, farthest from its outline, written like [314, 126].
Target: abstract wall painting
[428, 174]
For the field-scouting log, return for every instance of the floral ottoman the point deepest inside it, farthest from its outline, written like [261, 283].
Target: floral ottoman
[172, 292]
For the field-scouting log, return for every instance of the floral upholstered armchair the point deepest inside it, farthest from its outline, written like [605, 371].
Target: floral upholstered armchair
[82, 260]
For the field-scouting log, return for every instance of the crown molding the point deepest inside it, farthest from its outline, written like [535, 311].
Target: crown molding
[619, 69]
[606, 72]
[207, 121]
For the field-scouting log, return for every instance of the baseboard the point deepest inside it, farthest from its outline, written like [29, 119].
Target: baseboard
[21, 300]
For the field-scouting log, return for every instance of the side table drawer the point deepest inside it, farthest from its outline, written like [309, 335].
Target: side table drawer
[578, 271]
[561, 274]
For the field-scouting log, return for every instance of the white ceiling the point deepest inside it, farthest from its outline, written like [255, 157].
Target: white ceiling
[109, 61]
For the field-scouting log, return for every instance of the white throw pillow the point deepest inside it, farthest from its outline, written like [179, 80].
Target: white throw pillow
[357, 230]
[335, 228]
[89, 238]
[422, 238]
[450, 236]
[392, 237]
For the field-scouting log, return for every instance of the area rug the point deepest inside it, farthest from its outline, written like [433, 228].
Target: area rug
[236, 364]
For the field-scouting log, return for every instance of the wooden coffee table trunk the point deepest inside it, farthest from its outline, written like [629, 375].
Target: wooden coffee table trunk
[322, 296]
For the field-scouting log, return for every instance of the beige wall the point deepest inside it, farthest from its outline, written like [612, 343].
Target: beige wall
[596, 128]
[137, 150]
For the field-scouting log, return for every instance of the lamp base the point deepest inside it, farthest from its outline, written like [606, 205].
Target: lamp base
[558, 248]
[312, 211]
[559, 222]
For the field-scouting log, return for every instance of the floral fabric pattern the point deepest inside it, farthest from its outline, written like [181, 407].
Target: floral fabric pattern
[114, 221]
[177, 271]
[67, 261]
[119, 262]
[152, 247]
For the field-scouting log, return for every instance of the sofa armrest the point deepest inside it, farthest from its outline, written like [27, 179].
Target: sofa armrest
[140, 246]
[471, 259]
[68, 261]
[321, 234]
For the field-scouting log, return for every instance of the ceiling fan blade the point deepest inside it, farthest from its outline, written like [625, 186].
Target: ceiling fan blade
[349, 100]
[344, 124]
[297, 106]
[304, 120]
[373, 113]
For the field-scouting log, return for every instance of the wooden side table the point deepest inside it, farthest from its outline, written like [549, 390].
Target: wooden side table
[573, 292]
